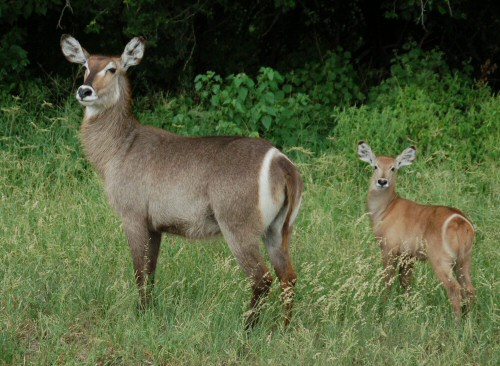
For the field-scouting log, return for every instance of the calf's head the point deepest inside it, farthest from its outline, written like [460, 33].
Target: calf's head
[385, 168]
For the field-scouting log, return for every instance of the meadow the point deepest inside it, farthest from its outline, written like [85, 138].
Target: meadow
[67, 294]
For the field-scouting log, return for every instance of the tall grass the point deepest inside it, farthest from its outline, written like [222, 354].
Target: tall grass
[67, 294]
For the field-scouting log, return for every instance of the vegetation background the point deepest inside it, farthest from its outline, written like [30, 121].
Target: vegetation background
[313, 77]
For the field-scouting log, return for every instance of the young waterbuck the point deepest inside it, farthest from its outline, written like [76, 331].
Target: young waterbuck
[407, 230]
[197, 187]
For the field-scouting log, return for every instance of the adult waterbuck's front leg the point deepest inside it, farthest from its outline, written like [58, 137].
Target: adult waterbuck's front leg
[145, 247]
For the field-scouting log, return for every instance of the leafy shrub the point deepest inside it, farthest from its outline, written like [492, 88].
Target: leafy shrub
[414, 117]
[13, 58]
[240, 105]
[329, 83]
[292, 109]
[424, 103]
[428, 71]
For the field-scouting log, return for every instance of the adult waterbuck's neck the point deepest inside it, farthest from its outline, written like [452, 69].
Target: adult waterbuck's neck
[108, 122]
[382, 190]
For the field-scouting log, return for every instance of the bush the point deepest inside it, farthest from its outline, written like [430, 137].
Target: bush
[240, 105]
[333, 82]
[414, 119]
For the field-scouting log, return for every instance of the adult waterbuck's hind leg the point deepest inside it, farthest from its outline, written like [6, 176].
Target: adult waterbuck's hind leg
[145, 247]
[245, 248]
[277, 240]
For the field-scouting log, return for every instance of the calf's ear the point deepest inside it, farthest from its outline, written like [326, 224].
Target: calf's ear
[407, 157]
[366, 154]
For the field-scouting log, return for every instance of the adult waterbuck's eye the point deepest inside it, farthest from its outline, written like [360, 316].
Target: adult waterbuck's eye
[392, 169]
[112, 70]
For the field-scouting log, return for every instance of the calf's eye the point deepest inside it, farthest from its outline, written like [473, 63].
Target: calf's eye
[112, 70]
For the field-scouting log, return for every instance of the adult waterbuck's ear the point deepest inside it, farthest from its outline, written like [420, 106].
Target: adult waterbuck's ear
[407, 157]
[133, 53]
[72, 50]
[365, 153]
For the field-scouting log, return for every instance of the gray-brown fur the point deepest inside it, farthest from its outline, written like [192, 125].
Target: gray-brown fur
[197, 187]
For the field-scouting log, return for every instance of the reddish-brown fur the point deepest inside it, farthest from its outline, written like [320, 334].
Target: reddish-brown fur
[408, 230]
[196, 187]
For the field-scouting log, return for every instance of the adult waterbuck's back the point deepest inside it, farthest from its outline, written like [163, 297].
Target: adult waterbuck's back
[408, 230]
[197, 187]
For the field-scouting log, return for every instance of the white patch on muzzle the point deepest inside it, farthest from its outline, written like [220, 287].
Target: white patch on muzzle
[86, 95]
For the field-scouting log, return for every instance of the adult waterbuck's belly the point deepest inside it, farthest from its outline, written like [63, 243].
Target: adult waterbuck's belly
[200, 226]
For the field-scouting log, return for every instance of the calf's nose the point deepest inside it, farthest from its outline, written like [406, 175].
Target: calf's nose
[382, 182]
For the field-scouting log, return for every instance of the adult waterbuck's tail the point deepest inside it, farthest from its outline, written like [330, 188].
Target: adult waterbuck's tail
[197, 187]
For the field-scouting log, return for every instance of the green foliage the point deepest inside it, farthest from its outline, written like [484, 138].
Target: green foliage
[291, 110]
[13, 52]
[33, 126]
[413, 119]
[265, 106]
[13, 58]
[428, 71]
[333, 82]
[415, 10]
[425, 103]
[240, 105]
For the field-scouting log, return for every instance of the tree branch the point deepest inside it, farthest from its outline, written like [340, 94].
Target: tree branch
[67, 5]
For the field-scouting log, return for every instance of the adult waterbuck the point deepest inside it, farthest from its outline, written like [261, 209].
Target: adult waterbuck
[196, 187]
[407, 230]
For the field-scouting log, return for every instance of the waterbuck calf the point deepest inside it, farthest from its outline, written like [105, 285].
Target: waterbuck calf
[407, 230]
[197, 187]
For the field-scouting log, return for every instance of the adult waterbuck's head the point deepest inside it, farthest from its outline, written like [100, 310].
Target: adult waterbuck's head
[159, 182]
[407, 230]
[104, 81]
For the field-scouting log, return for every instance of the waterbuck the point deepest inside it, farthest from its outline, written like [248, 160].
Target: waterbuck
[408, 230]
[196, 187]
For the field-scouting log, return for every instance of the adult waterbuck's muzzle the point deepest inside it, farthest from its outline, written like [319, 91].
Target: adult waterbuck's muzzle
[85, 94]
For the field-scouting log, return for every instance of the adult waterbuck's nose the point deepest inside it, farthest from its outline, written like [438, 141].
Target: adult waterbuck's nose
[85, 91]
[382, 182]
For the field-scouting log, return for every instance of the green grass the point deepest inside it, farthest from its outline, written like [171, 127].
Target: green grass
[67, 294]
